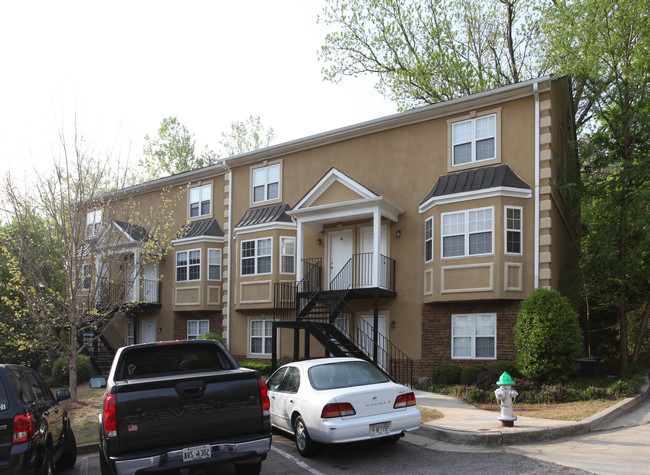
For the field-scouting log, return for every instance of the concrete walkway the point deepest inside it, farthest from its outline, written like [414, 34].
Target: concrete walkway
[464, 424]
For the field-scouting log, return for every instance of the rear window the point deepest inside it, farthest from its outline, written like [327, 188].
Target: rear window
[345, 375]
[171, 359]
[4, 400]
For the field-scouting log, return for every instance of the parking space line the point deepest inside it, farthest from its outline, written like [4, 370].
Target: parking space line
[298, 462]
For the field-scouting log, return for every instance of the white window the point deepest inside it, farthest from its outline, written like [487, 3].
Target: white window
[85, 277]
[287, 255]
[467, 233]
[474, 336]
[214, 264]
[93, 223]
[256, 256]
[266, 183]
[428, 240]
[188, 265]
[474, 140]
[513, 230]
[130, 332]
[261, 337]
[201, 201]
[196, 328]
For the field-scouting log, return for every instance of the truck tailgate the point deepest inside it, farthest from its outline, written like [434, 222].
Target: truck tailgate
[163, 412]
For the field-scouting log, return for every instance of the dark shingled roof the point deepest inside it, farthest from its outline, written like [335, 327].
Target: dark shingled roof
[474, 180]
[266, 214]
[205, 227]
[137, 233]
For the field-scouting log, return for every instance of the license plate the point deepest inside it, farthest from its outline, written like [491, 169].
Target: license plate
[377, 430]
[197, 453]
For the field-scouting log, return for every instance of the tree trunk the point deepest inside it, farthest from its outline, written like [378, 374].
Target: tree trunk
[642, 329]
[72, 371]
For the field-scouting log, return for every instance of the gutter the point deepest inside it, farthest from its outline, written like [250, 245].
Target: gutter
[230, 250]
[537, 211]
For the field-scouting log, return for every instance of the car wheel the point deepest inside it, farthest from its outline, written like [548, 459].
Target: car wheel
[48, 465]
[248, 468]
[304, 444]
[69, 456]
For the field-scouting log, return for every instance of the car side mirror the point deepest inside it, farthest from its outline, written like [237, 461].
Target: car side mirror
[97, 383]
[62, 395]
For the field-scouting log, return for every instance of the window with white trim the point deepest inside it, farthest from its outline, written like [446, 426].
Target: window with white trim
[196, 328]
[188, 265]
[468, 233]
[201, 201]
[93, 223]
[428, 239]
[474, 140]
[513, 230]
[261, 337]
[85, 276]
[130, 332]
[474, 336]
[266, 183]
[214, 264]
[256, 256]
[288, 255]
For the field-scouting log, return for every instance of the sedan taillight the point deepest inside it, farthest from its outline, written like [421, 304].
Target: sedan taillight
[404, 400]
[341, 409]
[110, 416]
[264, 392]
[23, 428]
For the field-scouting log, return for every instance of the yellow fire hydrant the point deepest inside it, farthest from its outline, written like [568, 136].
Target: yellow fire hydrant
[506, 396]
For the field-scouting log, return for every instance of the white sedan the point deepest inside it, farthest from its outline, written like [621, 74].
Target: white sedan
[337, 400]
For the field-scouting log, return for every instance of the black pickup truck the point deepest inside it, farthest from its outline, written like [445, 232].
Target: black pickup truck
[181, 406]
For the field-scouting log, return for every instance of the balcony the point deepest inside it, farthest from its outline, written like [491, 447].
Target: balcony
[114, 294]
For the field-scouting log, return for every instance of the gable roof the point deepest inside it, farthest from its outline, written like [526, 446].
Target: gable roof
[265, 215]
[133, 232]
[500, 176]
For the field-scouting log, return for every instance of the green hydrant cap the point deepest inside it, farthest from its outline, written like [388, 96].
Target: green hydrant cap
[505, 380]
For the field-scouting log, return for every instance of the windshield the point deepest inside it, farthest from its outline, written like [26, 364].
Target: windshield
[345, 375]
[4, 401]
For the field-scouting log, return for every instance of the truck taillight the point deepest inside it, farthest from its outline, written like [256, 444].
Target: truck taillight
[266, 402]
[23, 428]
[110, 416]
[404, 400]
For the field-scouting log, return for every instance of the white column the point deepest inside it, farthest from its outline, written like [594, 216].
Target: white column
[376, 237]
[299, 250]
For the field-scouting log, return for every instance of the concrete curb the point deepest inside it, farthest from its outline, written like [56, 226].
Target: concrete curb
[512, 436]
[85, 449]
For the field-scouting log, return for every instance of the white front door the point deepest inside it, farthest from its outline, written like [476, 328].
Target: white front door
[367, 243]
[366, 326]
[340, 252]
[148, 334]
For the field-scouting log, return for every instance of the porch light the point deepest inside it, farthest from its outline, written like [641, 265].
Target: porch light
[398, 233]
[319, 241]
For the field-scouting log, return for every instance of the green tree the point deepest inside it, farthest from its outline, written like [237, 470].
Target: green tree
[62, 236]
[246, 136]
[172, 151]
[605, 46]
[432, 51]
[547, 337]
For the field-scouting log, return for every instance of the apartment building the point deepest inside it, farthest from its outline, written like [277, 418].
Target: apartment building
[409, 238]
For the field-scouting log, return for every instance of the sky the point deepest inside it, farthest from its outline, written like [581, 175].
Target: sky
[118, 68]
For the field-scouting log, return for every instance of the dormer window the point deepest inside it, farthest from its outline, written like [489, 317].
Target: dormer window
[266, 183]
[93, 223]
[201, 201]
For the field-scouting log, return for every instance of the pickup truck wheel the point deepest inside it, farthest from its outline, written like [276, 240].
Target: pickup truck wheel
[69, 456]
[103, 465]
[248, 468]
[306, 447]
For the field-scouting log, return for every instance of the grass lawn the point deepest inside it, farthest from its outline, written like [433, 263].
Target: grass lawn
[83, 413]
[565, 411]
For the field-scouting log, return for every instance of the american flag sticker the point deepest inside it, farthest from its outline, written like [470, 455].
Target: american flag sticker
[133, 427]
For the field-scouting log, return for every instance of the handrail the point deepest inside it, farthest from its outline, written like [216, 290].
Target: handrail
[358, 273]
[115, 292]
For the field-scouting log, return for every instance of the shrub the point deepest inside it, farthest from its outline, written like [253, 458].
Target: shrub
[476, 396]
[262, 367]
[547, 337]
[509, 367]
[487, 380]
[61, 369]
[447, 374]
[210, 336]
[469, 374]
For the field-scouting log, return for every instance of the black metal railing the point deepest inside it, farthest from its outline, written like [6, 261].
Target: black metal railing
[290, 297]
[114, 293]
[358, 273]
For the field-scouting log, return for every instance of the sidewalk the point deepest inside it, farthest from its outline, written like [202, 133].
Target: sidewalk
[464, 424]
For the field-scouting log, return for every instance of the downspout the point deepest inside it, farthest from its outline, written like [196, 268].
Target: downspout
[537, 211]
[230, 250]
